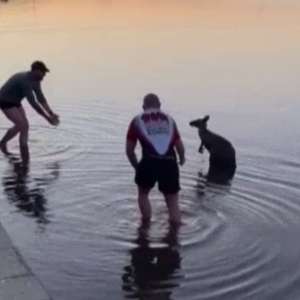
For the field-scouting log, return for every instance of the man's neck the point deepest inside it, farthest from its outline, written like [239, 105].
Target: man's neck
[151, 109]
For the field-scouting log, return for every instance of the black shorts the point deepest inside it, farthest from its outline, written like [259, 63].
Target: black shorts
[163, 171]
[6, 105]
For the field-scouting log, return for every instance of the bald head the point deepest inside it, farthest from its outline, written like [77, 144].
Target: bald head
[151, 101]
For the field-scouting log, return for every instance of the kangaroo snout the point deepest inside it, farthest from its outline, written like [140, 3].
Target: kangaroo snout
[199, 123]
[194, 123]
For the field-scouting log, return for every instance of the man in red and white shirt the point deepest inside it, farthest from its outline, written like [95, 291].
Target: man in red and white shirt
[159, 138]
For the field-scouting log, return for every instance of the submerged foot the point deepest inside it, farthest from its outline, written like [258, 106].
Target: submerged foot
[3, 148]
[24, 155]
[176, 223]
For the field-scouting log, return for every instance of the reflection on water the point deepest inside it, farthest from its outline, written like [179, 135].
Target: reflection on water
[30, 200]
[153, 272]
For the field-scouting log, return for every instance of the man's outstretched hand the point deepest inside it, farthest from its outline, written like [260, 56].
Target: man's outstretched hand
[54, 119]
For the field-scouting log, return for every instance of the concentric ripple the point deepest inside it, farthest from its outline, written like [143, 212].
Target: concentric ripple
[237, 241]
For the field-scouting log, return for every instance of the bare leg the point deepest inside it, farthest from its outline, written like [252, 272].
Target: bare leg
[18, 117]
[173, 207]
[11, 114]
[144, 204]
[23, 138]
[24, 151]
[10, 134]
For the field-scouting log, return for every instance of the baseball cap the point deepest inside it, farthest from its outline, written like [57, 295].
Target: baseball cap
[39, 66]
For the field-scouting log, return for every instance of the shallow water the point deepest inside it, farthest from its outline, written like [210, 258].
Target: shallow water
[74, 216]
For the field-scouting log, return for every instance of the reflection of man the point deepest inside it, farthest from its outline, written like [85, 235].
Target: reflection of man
[32, 201]
[159, 138]
[151, 274]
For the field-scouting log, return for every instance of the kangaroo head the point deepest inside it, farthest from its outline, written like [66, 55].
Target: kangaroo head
[201, 124]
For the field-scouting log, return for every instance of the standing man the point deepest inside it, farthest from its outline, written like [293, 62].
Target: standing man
[159, 137]
[18, 86]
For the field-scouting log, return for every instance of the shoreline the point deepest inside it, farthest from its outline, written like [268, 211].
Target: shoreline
[17, 281]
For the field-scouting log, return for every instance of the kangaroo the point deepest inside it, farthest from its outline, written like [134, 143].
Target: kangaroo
[222, 158]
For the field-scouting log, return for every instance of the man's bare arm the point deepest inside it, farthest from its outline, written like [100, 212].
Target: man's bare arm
[42, 99]
[130, 147]
[31, 99]
[180, 150]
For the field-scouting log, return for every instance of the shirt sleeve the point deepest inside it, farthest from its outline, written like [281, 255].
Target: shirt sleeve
[132, 133]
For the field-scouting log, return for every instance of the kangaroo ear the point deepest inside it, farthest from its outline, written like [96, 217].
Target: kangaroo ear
[206, 118]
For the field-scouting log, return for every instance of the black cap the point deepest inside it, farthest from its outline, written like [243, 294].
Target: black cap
[39, 66]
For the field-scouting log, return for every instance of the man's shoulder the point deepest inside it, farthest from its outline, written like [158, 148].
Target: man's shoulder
[134, 119]
[21, 77]
[21, 74]
[145, 113]
[167, 115]
[150, 113]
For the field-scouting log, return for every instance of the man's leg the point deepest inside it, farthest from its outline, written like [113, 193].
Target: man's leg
[169, 185]
[172, 201]
[23, 138]
[145, 180]
[144, 203]
[14, 116]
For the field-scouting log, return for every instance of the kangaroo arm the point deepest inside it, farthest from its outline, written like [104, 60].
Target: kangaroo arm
[201, 148]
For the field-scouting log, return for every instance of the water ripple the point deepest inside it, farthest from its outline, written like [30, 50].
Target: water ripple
[238, 241]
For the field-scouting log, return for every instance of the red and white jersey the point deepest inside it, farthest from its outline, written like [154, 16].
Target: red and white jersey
[155, 130]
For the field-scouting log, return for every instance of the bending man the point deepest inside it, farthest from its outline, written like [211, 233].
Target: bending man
[18, 86]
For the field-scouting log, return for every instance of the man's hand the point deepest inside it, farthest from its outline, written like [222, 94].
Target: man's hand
[181, 152]
[53, 120]
[182, 161]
